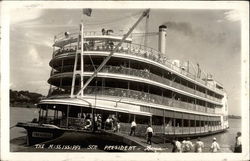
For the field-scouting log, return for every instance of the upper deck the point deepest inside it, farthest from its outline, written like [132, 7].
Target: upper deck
[67, 43]
[65, 38]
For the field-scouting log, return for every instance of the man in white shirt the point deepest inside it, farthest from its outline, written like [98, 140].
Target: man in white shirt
[199, 145]
[178, 146]
[149, 133]
[133, 126]
[215, 146]
[187, 145]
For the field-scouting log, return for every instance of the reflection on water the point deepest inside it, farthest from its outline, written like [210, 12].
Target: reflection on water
[226, 139]
[21, 115]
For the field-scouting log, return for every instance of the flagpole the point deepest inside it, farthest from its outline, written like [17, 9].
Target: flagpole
[82, 60]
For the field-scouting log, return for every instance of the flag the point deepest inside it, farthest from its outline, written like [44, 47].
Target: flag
[87, 11]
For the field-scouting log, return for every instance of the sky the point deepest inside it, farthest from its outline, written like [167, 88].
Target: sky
[211, 38]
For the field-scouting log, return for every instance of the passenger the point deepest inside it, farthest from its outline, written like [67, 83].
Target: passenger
[99, 121]
[111, 123]
[187, 146]
[215, 146]
[114, 120]
[107, 124]
[133, 126]
[111, 45]
[199, 145]
[178, 146]
[238, 146]
[118, 126]
[149, 133]
[183, 145]
[108, 32]
[103, 32]
[95, 123]
[174, 149]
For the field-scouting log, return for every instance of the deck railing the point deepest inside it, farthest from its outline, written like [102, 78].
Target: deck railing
[158, 129]
[132, 94]
[144, 52]
[71, 34]
[138, 73]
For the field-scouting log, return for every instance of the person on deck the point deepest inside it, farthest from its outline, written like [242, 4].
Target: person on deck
[199, 145]
[118, 126]
[215, 146]
[149, 133]
[133, 126]
[107, 124]
[99, 121]
[114, 120]
[103, 31]
[238, 146]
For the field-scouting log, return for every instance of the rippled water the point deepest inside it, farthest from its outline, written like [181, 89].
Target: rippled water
[226, 140]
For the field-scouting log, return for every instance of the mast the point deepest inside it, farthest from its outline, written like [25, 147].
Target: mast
[145, 13]
[82, 61]
[88, 13]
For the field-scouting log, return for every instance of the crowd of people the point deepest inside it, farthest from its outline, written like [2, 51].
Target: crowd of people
[112, 123]
[186, 145]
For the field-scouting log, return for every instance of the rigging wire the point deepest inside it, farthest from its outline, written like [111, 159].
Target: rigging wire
[146, 30]
[92, 62]
[114, 20]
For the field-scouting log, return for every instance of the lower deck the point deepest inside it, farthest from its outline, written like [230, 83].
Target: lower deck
[168, 123]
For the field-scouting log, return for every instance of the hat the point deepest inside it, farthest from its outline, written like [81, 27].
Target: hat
[214, 139]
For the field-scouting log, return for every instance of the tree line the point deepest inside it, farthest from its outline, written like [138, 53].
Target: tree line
[20, 98]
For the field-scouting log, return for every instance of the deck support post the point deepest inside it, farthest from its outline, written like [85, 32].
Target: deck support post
[174, 125]
[42, 114]
[81, 112]
[39, 116]
[200, 124]
[54, 116]
[150, 119]
[46, 114]
[182, 124]
[67, 117]
[164, 123]
[189, 125]
[74, 75]
[195, 124]
[61, 77]
[93, 119]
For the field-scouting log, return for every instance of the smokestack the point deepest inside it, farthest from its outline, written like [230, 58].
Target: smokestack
[162, 38]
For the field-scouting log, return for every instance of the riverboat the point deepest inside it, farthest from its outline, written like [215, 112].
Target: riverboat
[136, 83]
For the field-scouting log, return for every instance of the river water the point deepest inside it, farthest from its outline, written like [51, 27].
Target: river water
[226, 139]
